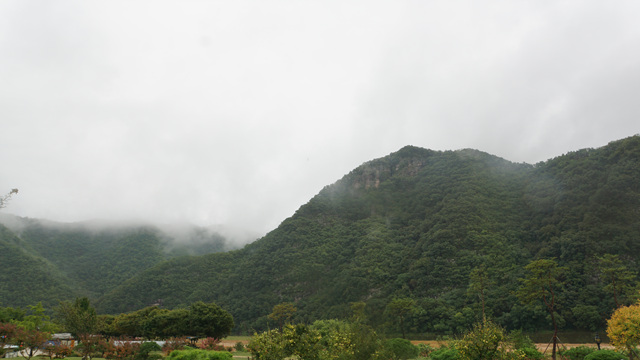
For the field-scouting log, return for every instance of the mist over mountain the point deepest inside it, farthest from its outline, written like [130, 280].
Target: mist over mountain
[412, 224]
[88, 258]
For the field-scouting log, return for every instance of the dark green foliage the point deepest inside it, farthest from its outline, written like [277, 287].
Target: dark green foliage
[400, 349]
[605, 355]
[398, 309]
[523, 346]
[84, 259]
[27, 278]
[520, 340]
[146, 351]
[424, 350]
[78, 318]
[239, 346]
[577, 353]
[95, 261]
[529, 353]
[9, 314]
[200, 319]
[209, 320]
[445, 353]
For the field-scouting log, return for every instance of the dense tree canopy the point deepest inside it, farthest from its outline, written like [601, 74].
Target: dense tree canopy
[199, 320]
[52, 262]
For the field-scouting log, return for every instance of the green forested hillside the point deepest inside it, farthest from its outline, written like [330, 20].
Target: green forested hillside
[414, 225]
[26, 278]
[84, 259]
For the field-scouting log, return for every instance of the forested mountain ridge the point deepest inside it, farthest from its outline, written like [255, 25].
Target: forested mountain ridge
[414, 224]
[27, 278]
[48, 261]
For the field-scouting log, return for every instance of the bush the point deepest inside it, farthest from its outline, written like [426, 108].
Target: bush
[400, 349]
[521, 340]
[529, 353]
[425, 349]
[445, 353]
[577, 353]
[524, 347]
[485, 341]
[605, 355]
[62, 351]
[174, 344]
[196, 354]
[121, 349]
[211, 344]
[146, 349]
[239, 346]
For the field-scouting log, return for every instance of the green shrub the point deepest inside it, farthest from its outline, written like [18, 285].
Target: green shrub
[150, 346]
[425, 349]
[400, 349]
[605, 355]
[146, 349]
[521, 340]
[239, 346]
[445, 353]
[196, 354]
[529, 353]
[487, 340]
[577, 353]
[173, 344]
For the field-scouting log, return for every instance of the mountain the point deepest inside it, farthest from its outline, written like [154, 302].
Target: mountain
[414, 224]
[26, 278]
[48, 261]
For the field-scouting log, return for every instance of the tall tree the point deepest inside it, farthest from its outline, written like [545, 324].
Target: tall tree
[37, 319]
[398, 309]
[31, 341]
[542, 283]
[79, 317]
[209, 319]
[282, 313]
[478, 283]
[620, 279]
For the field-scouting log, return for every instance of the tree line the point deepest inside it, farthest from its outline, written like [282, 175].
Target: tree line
[356, 339]
[31, 328]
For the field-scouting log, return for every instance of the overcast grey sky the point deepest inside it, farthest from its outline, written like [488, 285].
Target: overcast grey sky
[238, 112]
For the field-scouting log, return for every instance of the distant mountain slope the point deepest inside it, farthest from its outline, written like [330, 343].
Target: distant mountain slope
[26, 278]
[90, 259]
[414, 224]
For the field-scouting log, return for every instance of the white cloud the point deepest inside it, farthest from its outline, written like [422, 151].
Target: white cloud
[238, 113]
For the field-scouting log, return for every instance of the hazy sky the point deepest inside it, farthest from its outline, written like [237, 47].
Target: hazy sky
[238, 112]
